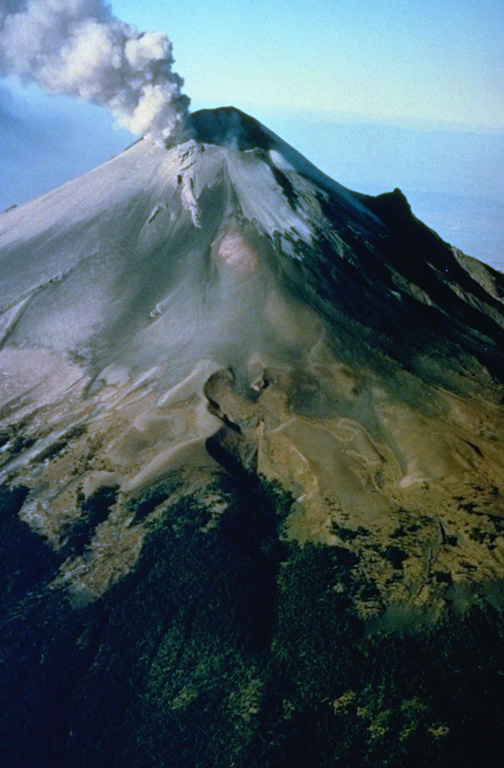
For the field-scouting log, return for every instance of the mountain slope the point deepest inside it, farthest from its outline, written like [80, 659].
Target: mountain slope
[252, 437]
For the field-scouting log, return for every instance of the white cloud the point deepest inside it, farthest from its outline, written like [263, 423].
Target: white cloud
[78, 48]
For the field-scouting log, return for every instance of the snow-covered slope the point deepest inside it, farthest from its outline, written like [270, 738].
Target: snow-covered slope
[162, 249]
[127, 255]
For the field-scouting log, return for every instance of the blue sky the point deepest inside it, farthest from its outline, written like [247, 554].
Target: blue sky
[378, 94]
[393, 59]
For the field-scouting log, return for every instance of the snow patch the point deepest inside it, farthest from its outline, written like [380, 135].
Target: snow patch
[189, 154]
[279, 161]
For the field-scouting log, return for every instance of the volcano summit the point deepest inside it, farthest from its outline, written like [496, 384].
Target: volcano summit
[252, 462]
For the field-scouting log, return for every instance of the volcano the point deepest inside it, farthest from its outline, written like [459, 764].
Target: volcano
[252, 446]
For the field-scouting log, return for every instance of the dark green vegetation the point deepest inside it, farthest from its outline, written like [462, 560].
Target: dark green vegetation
[227, 646]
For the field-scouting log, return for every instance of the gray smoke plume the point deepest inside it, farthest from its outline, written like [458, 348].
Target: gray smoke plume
[79, 48]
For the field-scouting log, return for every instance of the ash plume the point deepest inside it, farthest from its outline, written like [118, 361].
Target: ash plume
[79, 48]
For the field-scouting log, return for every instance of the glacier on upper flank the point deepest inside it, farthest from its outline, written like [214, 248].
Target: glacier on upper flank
[128, 261]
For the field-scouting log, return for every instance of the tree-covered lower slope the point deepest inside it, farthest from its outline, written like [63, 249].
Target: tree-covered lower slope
[229, 646]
